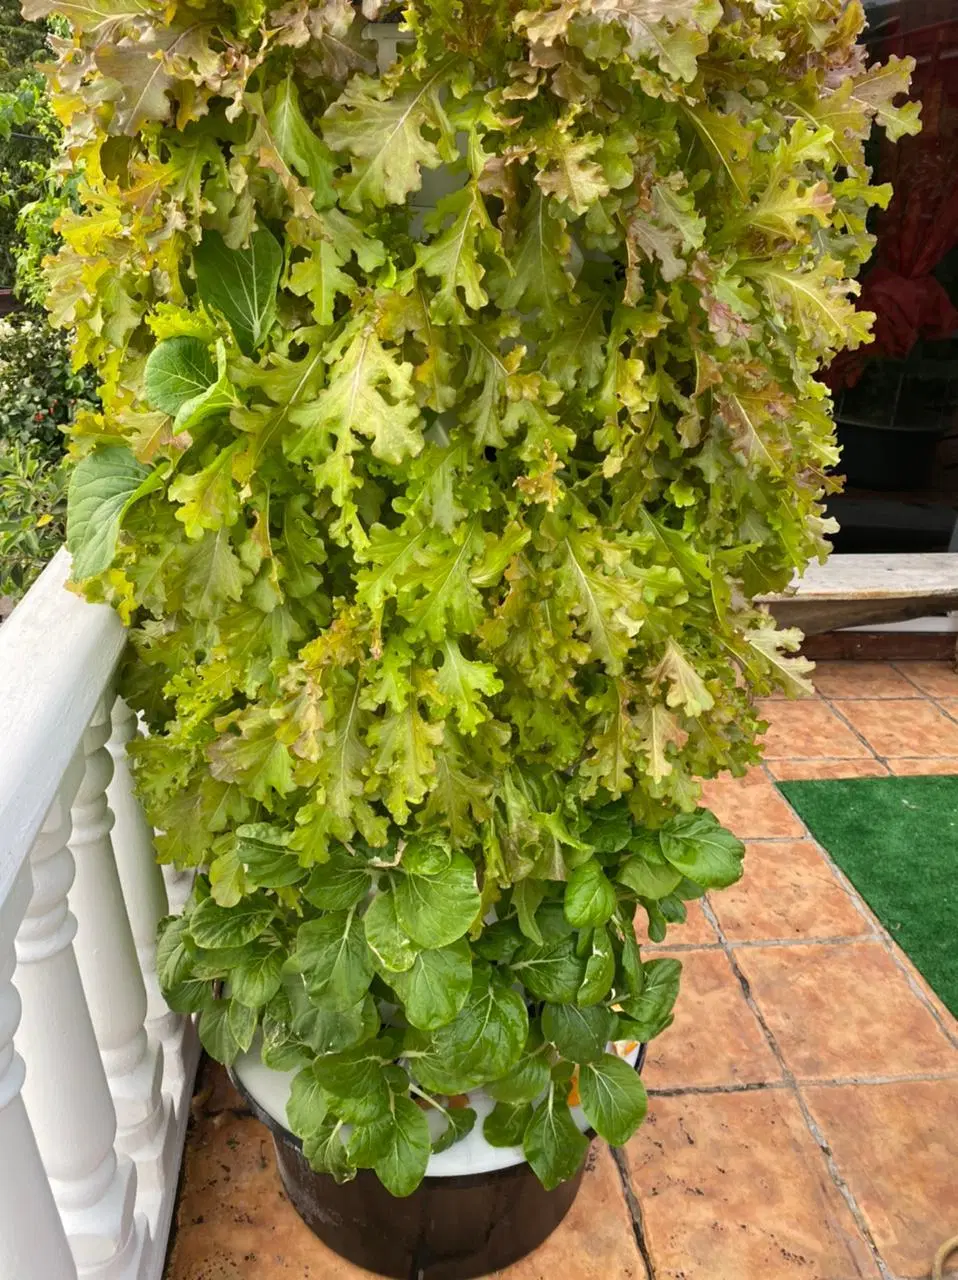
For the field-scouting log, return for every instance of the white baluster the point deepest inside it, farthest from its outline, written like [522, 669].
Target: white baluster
[66, 1091]
[151, 892]
[110, 968]
[32, 1239]
[178, 886]
[144, 889]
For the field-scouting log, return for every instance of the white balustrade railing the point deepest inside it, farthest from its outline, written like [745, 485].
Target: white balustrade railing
[95, 1071]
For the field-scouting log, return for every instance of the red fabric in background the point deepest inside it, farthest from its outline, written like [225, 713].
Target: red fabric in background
[907, 307]
[921, 224]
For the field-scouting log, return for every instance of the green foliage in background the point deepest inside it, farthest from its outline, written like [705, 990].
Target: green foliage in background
[437, 528]
[34, 188]
[22, 44]
[40, 392]
[32, 513]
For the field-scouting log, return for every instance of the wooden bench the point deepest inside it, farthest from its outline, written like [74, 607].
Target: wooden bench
[858, 590]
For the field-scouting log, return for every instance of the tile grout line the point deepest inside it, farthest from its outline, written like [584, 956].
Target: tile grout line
[936, 700]
[893, 950]
[705, 1090]
[635, 1210]
[878, 933]
[884, 939]
[919, 696]
[857, 901]
[895, 666]
[789, 1078]
[921, 1077]
[840, 715]
[932, 697]
[744, 944]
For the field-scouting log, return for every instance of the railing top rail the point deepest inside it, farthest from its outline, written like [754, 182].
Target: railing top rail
[57, 656]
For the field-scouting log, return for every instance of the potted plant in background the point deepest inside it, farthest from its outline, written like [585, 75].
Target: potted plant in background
[437, 532]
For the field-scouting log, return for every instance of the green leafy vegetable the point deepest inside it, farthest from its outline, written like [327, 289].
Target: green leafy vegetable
[613, 1098]
[356, 1081]
[599, 969]
[177, 371]
[506, 1124]
[308, 1103]
[651, 1010]
[552, 1144]
[700, 849]
[437, 986]
[551, 972]
[452, 417]
[325, 1030]
[396, 1145]
[326, 1151]
[580, 1035]
[226, 1029]
[338, 884]
[481, 1043]
[241, 283]
[436, 909]
[392, 949]
[103, 488]
[525, 1081]
[256, 976]
[589, 897]
[214, 926]
[332, 955]
[459, 1122]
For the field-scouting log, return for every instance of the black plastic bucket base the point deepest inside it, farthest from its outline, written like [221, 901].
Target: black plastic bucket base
[456, 1228]
[449, 1229]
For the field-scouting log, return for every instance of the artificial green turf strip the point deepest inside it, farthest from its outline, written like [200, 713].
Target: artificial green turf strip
[897, 841]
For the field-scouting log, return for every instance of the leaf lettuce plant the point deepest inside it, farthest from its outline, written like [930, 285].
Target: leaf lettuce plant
[453, 415]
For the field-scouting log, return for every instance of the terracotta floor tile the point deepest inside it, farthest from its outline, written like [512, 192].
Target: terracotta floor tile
[788, 891]
[696, 931]
[936, 678]
[800, 770]
[808, 731]
[917, 767]
[947, 1018]
[844, 1010]
[896, 1145]
[733, 1187]
[861, 680]
[235, 1223]
[715, 1038]
[903, 727]
[596, 1241]
[750, 806]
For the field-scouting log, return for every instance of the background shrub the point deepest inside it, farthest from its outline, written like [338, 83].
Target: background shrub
[22, 44]
[32, 513]
[29, 139]
[39, 390]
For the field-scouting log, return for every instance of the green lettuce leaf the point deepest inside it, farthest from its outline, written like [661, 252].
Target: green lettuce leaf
[241, 283]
